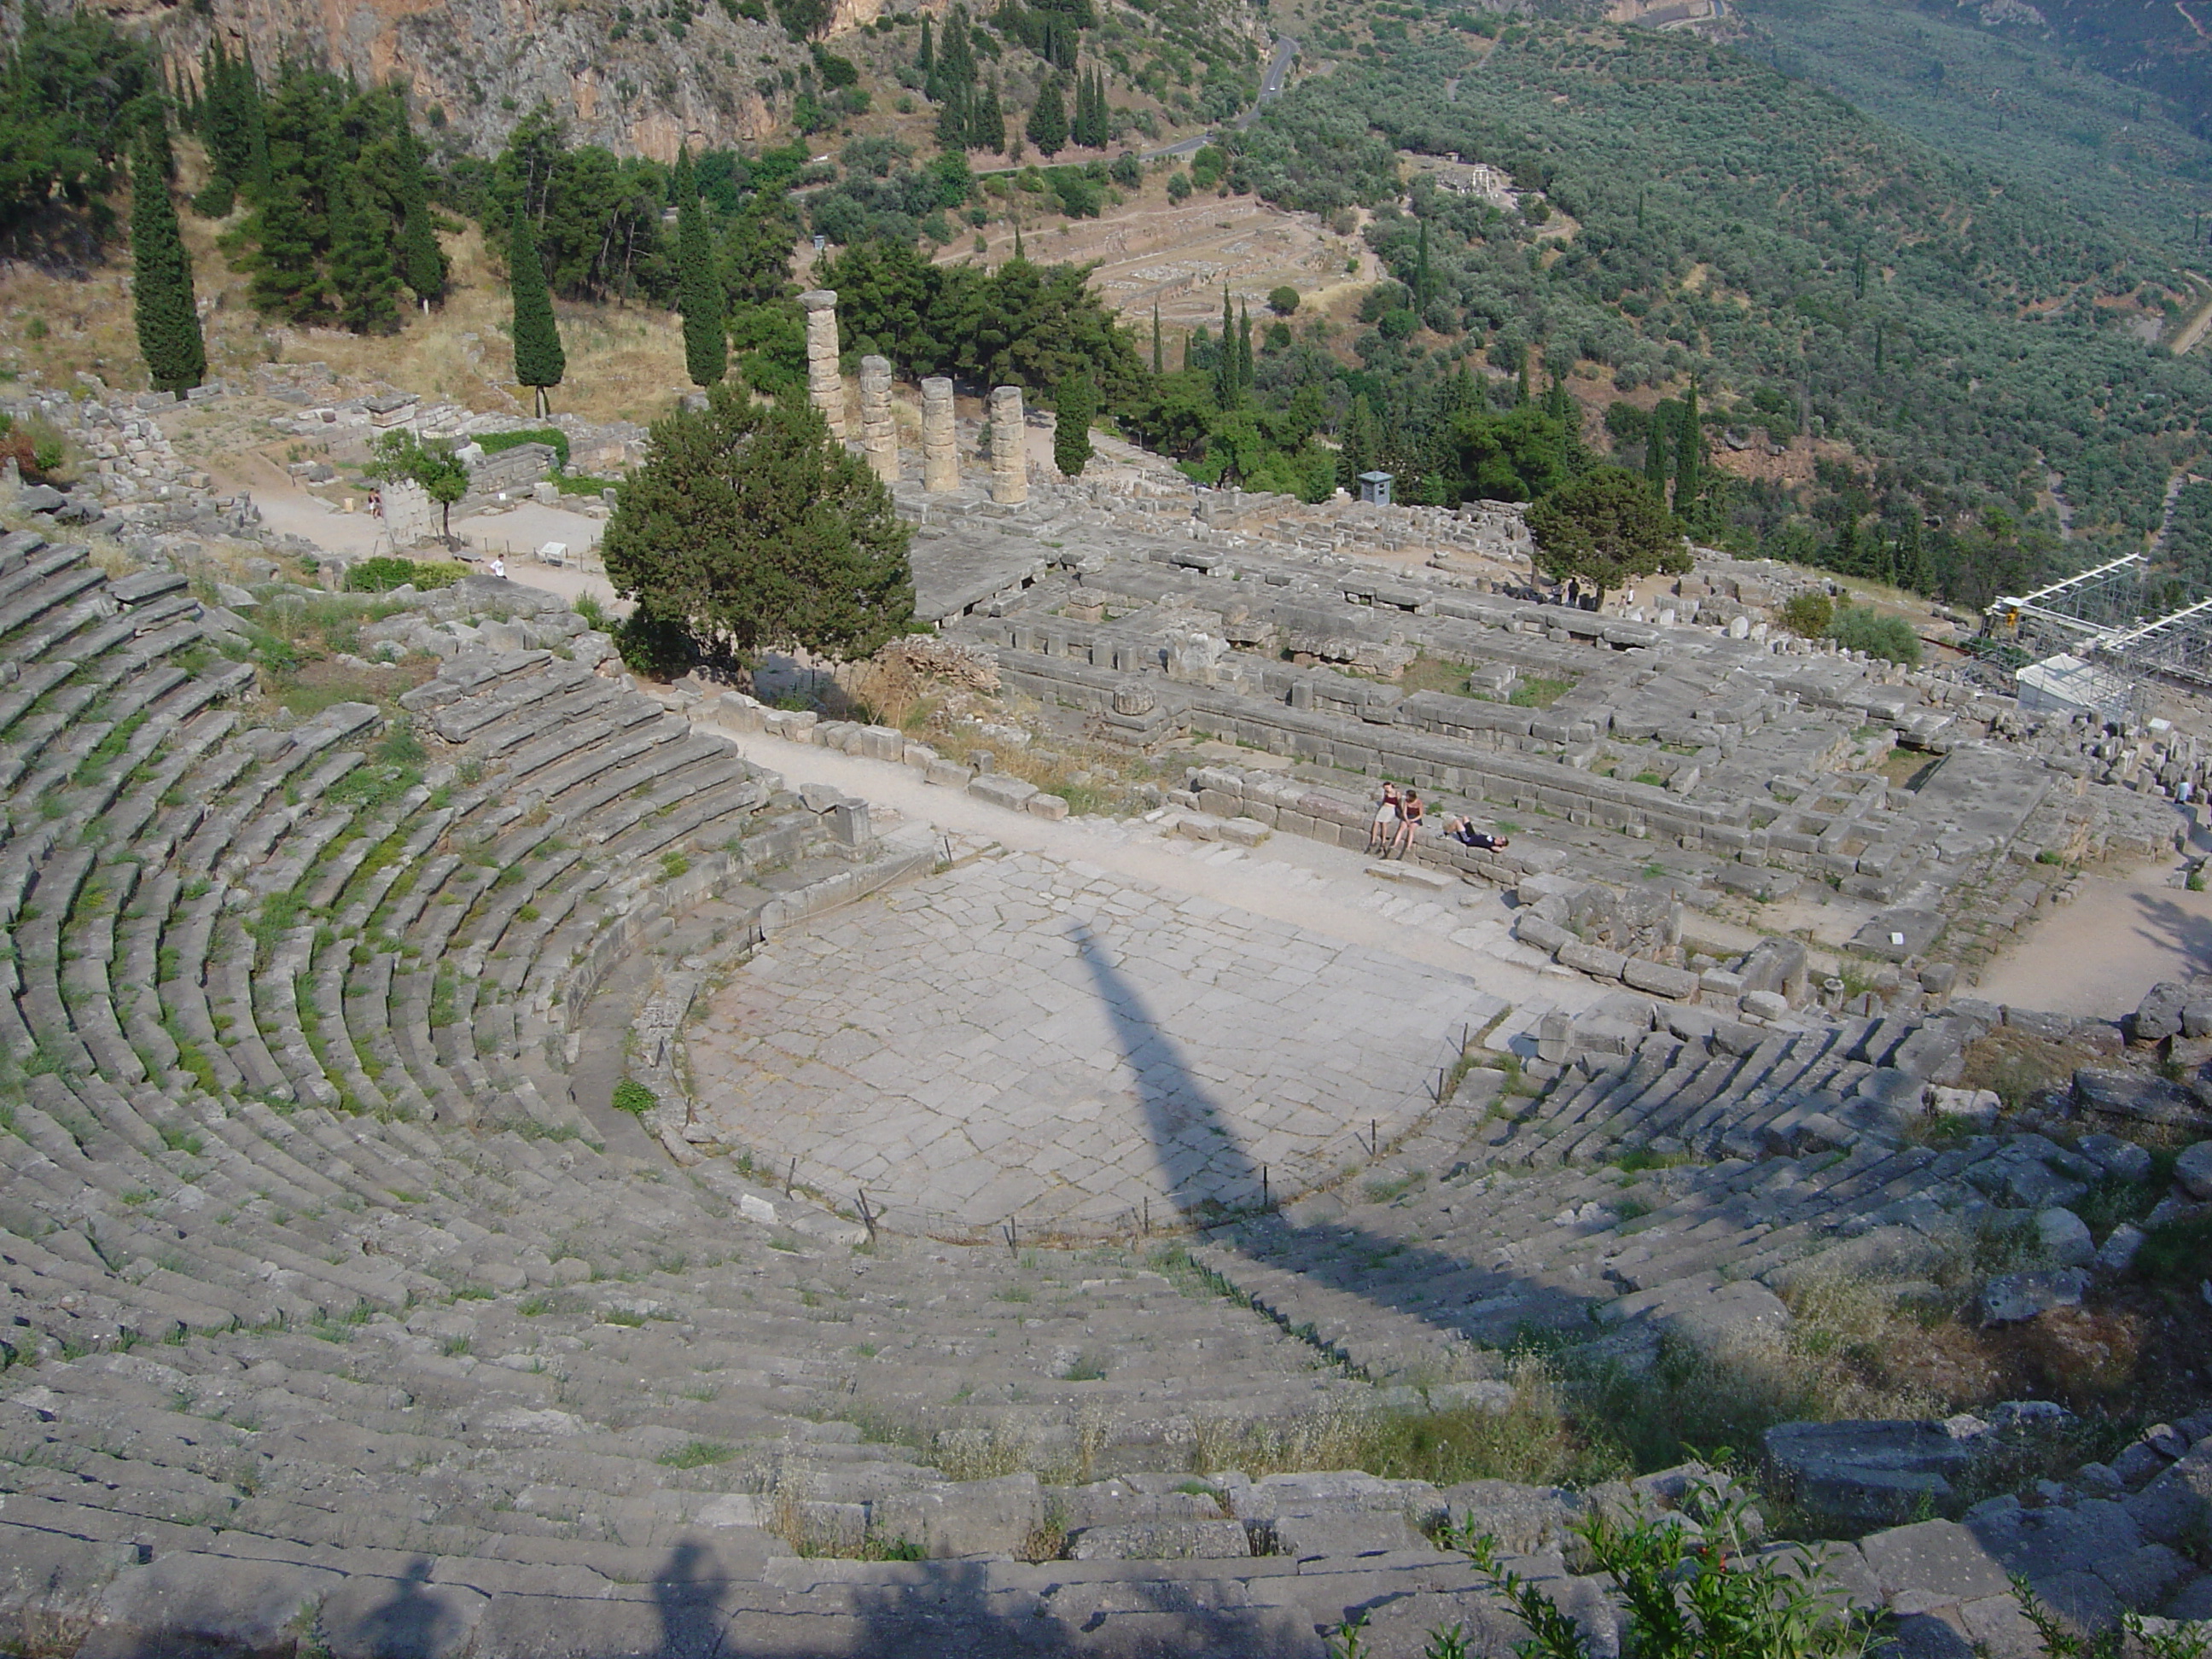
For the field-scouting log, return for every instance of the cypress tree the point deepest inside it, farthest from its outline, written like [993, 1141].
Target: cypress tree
[1655, 456]
[1226, 380]
[422, 265]
[1047, 127]
[286, 281]
[698, 291]
[162, 294]
[1075, 402]
[987, 120]
[1689, 454]
[954, 122]
[925, 60]
[246, 87]
[1422, 292]
[539, 362]
[363, 285]
[1194, 348]
[1248, 379]
[1158, 360]
[1522, 394]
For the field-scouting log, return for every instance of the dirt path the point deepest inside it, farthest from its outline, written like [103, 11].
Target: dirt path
[2098, 956]
[1344, 910]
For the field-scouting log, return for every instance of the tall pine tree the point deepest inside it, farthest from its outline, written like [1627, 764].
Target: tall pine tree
[363, 286]
[925, 60]
[1228, 382]
[987, 120]
[161, 289]
[1047, 127]
[698, 288]
[286, 281]
[1158, 360]
[539, 362]
[1689, 454]
[422, 263]
[1075, 405]
[1247, 377]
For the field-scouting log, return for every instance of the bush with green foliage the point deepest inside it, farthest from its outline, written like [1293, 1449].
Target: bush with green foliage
[1604, 528]
[384, 573]
[749, 528]
[632, 1096]
[1700, 1592]
[1858, 628]
[1807, 614]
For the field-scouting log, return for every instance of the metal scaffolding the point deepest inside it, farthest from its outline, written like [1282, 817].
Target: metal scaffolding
[2176, 647]
[2092, 605]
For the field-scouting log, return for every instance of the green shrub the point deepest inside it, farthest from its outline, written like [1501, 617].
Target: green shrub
[1689, 1595]
[384, 573]
[649, 646]
[1808, 615]
[1858, 628]
[631, 1095]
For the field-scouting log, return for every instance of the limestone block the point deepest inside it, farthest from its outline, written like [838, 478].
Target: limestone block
[370, 1617]
[1162, 1540]
[189, 1603]
[2193, 1169]
[2065, 1238]
[1864, 1471]
[1244, 832]
[947, 774]
[2011, 1298]
[920, 756]
[1001, 791]
[1592, 959]
[2120, 1248]
[2158, 1015]
[1660, 978]
[1942, 1558]
[2140, 1097]
[1767, 1005]
[1044, 805]
[968, 1517]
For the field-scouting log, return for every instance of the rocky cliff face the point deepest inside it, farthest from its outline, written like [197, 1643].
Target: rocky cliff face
[616, 73]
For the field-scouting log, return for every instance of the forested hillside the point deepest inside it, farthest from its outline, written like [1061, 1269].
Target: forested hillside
[2023, 101]
[1970, 335]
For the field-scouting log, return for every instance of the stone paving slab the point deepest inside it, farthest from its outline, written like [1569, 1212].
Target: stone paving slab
[1021, 1038]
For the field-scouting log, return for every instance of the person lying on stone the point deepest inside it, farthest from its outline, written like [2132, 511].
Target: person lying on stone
[1463, 831]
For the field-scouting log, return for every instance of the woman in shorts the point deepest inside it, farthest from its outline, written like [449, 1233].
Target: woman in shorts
[1386, 820]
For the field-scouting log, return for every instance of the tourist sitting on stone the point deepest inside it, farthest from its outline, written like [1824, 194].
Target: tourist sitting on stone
[1463, 831]
[1386, 820]
[1410, 811]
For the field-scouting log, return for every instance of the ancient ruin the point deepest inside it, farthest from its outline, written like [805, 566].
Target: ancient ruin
[1017, 1216]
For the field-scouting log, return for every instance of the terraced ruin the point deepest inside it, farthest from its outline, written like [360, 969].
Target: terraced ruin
[1010, 1252]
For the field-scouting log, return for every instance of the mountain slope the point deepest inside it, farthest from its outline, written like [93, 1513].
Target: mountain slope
[1964, 329]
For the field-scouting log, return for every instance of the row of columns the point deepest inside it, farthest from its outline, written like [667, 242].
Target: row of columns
[940, 457]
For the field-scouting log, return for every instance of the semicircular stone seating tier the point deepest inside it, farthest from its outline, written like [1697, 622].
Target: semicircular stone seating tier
[308, 1254]
[332, 1323]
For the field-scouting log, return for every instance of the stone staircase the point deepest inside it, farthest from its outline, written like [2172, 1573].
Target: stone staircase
[343, 1318]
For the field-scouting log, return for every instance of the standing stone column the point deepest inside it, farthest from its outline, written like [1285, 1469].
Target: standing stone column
[879, 436]
[1010, 466]
[940, 457]
[825, 388]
